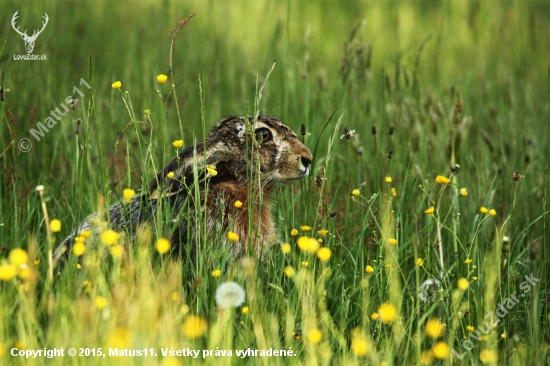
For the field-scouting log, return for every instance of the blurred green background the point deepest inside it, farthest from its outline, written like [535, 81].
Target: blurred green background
[379, 63]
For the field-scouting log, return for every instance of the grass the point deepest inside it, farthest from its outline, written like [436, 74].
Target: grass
[441, 84]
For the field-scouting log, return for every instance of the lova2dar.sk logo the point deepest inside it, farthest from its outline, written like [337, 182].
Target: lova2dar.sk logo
[29, 40]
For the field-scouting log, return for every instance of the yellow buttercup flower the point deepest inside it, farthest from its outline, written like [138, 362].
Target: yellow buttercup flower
[162, 245]
[359, 346]
[393, 192]
[305, 228]
[127, 194]
[474, 278]
[116, 251]
[85, 234]
[419, 262]
[430, 211]
[440, 179]
[36, 262]
[322, 232]
[110, 237]
[245, 310]
[427, 358]
[355, 193]
[324, 254]
[286, 248]
[289, 271]
[238, 204]
[308, 244]
[216, 273]
[441, 350]
[470, 329]
[233, 237]
[387, 312]
[194, 326]
[314, 336]
[162, 78]
[483, 210]
[55, 225]
[116, 85]
[392, 241]
[18, 257]
[79, 249]
[24, 272]
[100, 302]
[177, 144]
[463, 192]
[388, 180]
[369, 269]
[375, 316]
[463, 284]
[488, 356]
[211, 169]
[293, 232]
[503, 335]
[305, 264]
[492, 213]
[7, 272]
[434, 328]
[170, 175]
[468, 261]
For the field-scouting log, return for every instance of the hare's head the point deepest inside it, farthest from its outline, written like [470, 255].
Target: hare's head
[239, 149]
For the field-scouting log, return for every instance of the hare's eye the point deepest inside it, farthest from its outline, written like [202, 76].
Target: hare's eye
[263, 135]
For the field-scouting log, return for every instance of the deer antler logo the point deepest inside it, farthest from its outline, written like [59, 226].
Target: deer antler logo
[29, 41]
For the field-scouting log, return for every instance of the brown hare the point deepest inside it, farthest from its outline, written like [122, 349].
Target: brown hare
[238, 161]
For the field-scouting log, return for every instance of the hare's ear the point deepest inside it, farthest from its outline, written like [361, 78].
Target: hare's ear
[189, 167]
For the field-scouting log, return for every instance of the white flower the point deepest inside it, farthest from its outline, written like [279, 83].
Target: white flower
[229, 294]
[40, 188]
[428, 289]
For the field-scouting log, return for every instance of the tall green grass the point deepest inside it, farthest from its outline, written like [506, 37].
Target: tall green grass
[424, 87]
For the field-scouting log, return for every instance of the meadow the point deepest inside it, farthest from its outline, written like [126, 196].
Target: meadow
[429, 124]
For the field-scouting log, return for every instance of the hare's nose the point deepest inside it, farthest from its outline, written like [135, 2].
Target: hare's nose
[305, 162]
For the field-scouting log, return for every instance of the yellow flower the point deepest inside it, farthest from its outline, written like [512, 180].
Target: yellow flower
[293, 232]
[463, 284]
[120, 338]
[324, 254]
[211, 169]
[392, 241]
[375, 316]
[387, 266]
[483, 210]
[359, 346]
[463, 192]
[289, 271]
[442, 180]
[305, 228]
[488, 356]
[55, 225]
[322, 232]
[474, 278]
[177, 144]
[18, 257]
[388, 180]
[100, 302]
[78, 266]
[470, 329]
[24, 272]
[434, 328]
[116, 85]
[285, 248]
[503, 336]
[238, 204]
[232, 236]
[314, 336]
[305, 264]
[308, 244]
[79, 249]
[36, 262]
[79, 239]
[110, 237]
[387, 312]
[430, 211]
[493, 213]
[245, 310]
[162, 245]
[116, 251]
[216, 273]
[355, 193]
[419, 262]
[427, 358]
[170, 175]
[369, 269]
[128, 194]
[194, 326]
[468, 261]
[393, 193]
[441, 350]
[162, 78]
[85, 234]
